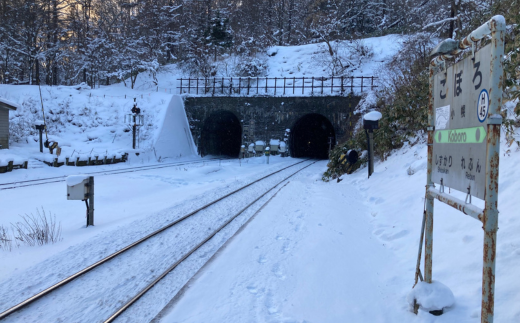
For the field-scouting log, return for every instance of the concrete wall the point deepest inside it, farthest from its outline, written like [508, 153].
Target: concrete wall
[267, 117]
[4, 128]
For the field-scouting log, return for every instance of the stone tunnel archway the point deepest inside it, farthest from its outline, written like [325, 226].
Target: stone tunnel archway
[221, 134]
[310, 137]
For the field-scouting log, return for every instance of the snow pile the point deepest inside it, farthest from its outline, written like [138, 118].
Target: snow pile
[75, 179]
[11, 103]
[431, 297]
[373, 116]
[175, 138]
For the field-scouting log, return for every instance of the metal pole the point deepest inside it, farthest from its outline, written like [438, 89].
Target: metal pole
[428, 239]
[41, 140]
[90, 219]
[493, 157]
[134, 127]
[371, 150]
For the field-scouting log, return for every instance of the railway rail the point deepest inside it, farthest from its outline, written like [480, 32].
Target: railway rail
[57, 179]
[194, 245]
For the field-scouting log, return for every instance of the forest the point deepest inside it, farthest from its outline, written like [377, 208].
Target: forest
[65, 42]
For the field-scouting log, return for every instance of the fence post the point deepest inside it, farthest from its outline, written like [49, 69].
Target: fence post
[222, 86]
[230, 86]
[303, 85]
[257, 85]
[189, 85]
[372, 84]
[266, 84]
[214, 84]
[197, 85]
[352, 84]
[248, 84]
[293, 84]
[275, 86]
[312, 86]
[332, 85]
[239, 85]
[322, 79]
[181, 86]
[362, 84]
[284, 85]
[342, 90]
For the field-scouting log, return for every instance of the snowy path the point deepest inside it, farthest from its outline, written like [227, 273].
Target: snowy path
[96, 295]
[309, 256]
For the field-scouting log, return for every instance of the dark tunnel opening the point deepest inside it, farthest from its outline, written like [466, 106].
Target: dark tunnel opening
[310, 137]
[221, 135]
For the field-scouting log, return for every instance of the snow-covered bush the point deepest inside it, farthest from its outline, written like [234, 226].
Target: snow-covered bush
[5, 239]
[38, 229]
[251, 67]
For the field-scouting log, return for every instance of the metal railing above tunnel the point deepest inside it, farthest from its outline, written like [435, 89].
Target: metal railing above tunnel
[277, 86]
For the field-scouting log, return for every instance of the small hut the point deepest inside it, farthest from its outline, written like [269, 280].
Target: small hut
[5, 106]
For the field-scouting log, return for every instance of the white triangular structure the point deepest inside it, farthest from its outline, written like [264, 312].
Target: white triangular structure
[175, 139]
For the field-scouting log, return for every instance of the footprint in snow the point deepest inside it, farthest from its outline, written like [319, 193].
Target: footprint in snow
[252, 289]
[279, 238]
[395, 236]
[262, 260]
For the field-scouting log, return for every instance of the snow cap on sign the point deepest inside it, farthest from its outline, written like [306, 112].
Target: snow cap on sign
[431, 297]
[282, 143]
[275, 142]
[373, 116]
[259, 143]
[76, 179]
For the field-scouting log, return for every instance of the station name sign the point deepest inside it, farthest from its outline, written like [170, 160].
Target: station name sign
[461, 106]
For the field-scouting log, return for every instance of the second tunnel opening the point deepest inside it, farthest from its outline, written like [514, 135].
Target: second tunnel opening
[311, 136]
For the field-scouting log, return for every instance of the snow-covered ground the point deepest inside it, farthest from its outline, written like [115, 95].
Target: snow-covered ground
[318, 252]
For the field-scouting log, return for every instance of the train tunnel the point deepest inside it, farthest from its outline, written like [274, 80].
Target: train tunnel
[310, 137]
[221, 135]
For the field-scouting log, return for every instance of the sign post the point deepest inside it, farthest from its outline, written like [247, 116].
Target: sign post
[464, 140]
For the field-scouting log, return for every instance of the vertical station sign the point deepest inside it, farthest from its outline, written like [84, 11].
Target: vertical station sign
[461, 109]
[464, 141]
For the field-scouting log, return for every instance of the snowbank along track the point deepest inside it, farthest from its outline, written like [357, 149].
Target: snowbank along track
[196, 229]
[56, 179]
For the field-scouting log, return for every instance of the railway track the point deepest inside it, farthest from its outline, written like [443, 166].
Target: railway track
[166, 249]
[57, 179]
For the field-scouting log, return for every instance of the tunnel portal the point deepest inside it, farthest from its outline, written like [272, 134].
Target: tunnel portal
[221, 134]
[310, 137]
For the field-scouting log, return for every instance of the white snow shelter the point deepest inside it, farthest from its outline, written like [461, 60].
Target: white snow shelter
[5, 107]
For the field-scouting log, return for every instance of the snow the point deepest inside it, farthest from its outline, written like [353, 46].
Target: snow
[76, 179]
[373, 116]
[11, 103]
[317, 252]
[274, 142]
[259, 143]
[431, 297]
[175, 139]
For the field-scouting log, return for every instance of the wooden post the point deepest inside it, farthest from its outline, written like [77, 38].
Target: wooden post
[293, 84]
[239, 85]
[312, 86]
[214, 84]
[180, 87]
[275, 86]
[284, 85]
[332, 85]
[303, 84]
[362, 84]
